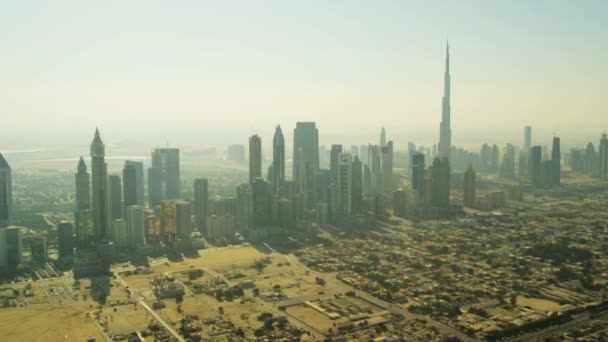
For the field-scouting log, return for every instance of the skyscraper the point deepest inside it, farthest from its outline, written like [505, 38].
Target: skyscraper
[132, 184]
[3, 249]
[418, 170]
[527, 138]
[255, 157]
[440, 182]
[306, 137]
[14, 246]
[183, 218]
[344, 185]
[278, 159]
[357, 186]
[244, 208]
[201, 203]
[262, 202]
[65, 239]
[387, 166]
[100, 195]
[6, 193]
[83, 187]
[115, 197]
[534, 171]
[556, 157]
[468, 198]
[135, 225]
[604, 156]
[375, 157]
[445, 130]
[382, 137]
[164, 180]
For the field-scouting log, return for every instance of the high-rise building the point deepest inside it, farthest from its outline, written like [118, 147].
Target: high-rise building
[6, 193]
[39, 249]
[494, 158]
[120, 234]
[556, 158]
[357, 186]
[100, 195]
[262, 202]
[83, 187]
[445, 131]
[387, 166]
[418, 170]
[382, 137]
[168, 220]
[132, 184]
[201, 203]
[440, 183]
[3, 249]
[167, 177]
[236, 153]
[65, 239]
[375, 156]
[255, 157]
[507, 168]
[591, 164]
[344, 184]
[485, 159]
[527, 138]
[278, 159]
[603, 160]
[115, 197]
[155, 186]
[535, 165]
[306, 137]
[136, 225]
[183, 217]
[14, 246]
[244, 209]
[334, 158]
[468, 198]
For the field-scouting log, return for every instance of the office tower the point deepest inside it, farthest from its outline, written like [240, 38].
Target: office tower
[201, 203]
[507, 167]
[364, 154]
[399, 203]
[244, 209]
[527, 138]
[485, 158]
[440, 182]
[357, 186]
[301, 173]
[322, 183]
[136, 225]
[155, 186]
[556, 158]
[418, 170]
[83, 187]
[334, 158]
[120, 235]
[603, 160]
[494, 158]
[255, 157]
[183, 218]
[367, 179]
[132, 184]
[411, 150]
[236, 153]
[576, 160]
[376, 169]
[262, 202]
[14, 246]
[387, 166]
[445, 131]
[6, 193]
[523, 164]
[39, 250]
[100, 195]
[306, 137]
[354, 151]
[3, 249]
[278, 159]
[115, 197]
[168, 220]
[65, 239]
[164, 175]
[468, 198]
[344, 184]
[382, 137]
[591, 165]
[535, 165]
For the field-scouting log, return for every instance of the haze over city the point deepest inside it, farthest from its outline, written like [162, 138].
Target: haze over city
[303, 171]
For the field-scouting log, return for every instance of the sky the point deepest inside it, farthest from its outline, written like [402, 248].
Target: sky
[218, 71]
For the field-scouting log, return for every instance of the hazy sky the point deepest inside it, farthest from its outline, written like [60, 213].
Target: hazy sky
[206, 66]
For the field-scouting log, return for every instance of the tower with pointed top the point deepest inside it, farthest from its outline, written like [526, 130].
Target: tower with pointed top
[382, 137]
[100, 198]
[445, 130]
[278, 159]
[83, 187]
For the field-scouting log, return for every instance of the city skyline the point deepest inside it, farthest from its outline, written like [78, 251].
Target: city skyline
[499, 80]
